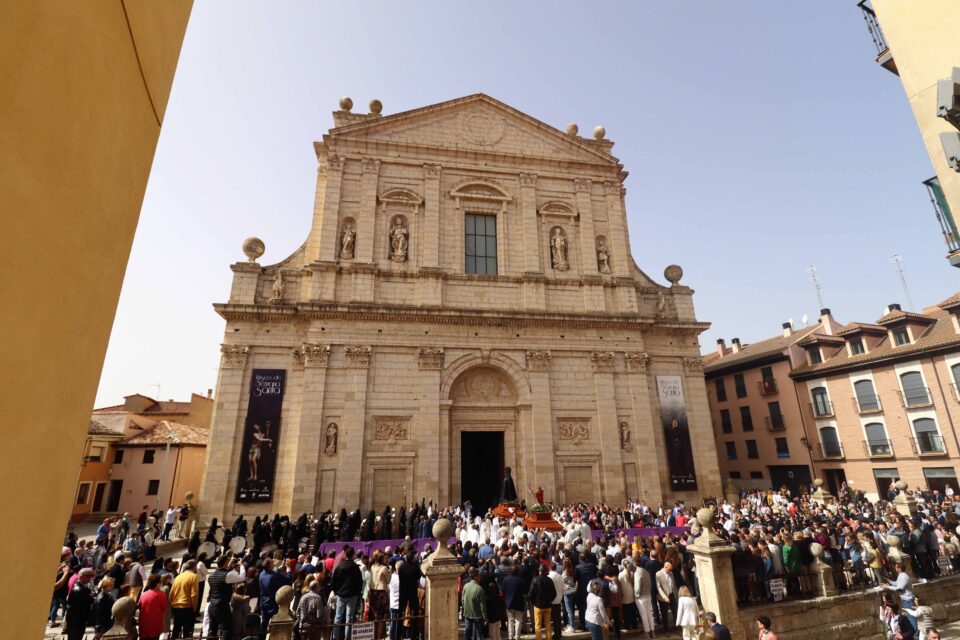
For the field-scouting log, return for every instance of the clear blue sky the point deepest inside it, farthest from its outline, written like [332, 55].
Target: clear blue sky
[760, 137]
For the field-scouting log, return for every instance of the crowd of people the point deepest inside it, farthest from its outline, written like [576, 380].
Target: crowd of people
[598, 574]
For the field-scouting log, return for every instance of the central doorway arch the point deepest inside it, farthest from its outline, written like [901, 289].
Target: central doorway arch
[483, 416]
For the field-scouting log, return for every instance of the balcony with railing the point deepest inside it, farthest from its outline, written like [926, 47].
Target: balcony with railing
[915, 397]
[884, 57]
[928, 443]
[774, 422]
[831, 450]
[767, 386]
[948, 225]
[866, 404]
[878, 448]
[822, 409]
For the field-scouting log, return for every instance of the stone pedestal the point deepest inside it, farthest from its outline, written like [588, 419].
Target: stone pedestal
[715, 573]
[281, 625]
[896, 555]
[819, 495]
[122, 611]
[822, 573]
[442, 571]
[905, 504]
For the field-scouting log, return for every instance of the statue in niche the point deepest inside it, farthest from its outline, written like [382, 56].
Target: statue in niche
[624, 435]
[558, 250]
[330, 442]
[279, 286]
[398, 241]
[347, 240]
[661, 305]
[603, 258]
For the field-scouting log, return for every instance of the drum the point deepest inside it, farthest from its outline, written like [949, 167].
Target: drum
[208, 548]
[218, 536]
[237, 545]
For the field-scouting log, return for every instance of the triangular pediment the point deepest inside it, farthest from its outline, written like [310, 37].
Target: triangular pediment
[478, 123]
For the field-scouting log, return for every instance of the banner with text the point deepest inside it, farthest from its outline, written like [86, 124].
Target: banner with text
[673, 417]
[261, 433]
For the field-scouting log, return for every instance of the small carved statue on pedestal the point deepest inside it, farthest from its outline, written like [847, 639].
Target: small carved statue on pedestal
[330, 443]
[398, 241]
[603, 258]
[347, 241]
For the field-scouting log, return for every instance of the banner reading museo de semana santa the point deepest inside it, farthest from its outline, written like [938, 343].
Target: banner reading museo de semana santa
[261, 433]
[676, 431]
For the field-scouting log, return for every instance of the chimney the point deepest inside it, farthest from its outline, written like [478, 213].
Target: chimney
[721, 347]
[736, 345]
[893, 307]
[209, 393]
[787, 329]
[827, 321]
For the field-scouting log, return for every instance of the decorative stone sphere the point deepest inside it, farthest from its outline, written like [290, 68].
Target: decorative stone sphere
[253, 248]
[346, 103]
[673, 273]
[572, 129]
[818, 483]
[816, 549]
[188, 496]
[705, 517]
[284, 597]
[123, 610]
[442, 530]
[375, 106]
[901, 485]
[599, 132]
[893, 541]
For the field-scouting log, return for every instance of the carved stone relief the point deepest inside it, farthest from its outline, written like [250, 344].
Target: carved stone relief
[538, 360]
[279, 286]
[311, 355]
[637, 360]
[693, 365]
[574, 430]
[391, 430]
[624, 429]
[603, 361]
[358, 356]
[603, 257]
[430, 357]
[399, 240]
[348, 241]
[234, 355]
[330, 439]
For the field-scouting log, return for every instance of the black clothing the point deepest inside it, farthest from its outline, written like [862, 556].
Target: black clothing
[721, 631]
[347, 581]
[509, 493]
[542, 592]
[103, 612]
[79, 605]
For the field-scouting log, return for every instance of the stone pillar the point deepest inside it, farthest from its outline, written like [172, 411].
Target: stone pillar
[431, 439]
[327, 219]
[366, 217]
[350, 436]
[430, 236]
[246, 277]
[281, 625]
[701, 431]
[310, 432]
[122, 611]
[619, 240]
[823, 585]
[528, 217]
[819, 495]
[611, 471]
[538, 447]
[588, 235]
[715, 574]
[905, 504]
[648, 434]
[896, 555]
[442, 571]
[226, 432]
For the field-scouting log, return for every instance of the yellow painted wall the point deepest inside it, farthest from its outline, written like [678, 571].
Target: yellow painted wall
[922, 37]
[86, 88]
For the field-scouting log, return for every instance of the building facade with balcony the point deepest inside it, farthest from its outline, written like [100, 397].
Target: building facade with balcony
[882, 399]
[757, 416]
[917, 42]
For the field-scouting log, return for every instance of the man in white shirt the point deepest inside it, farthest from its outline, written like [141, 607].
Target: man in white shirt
[666, 594]
[557, 579]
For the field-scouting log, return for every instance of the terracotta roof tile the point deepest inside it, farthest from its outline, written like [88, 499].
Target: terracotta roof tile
[940, 335]
[898, 315]
[757, 350]
[951, 302]
[857, 327]
[100, 429]
[184, 435]
[168, 408]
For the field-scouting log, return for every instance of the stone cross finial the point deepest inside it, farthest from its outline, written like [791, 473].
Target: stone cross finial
[283, 597]
[706, 517]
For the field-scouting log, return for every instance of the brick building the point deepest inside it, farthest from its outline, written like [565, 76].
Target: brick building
[466, 300]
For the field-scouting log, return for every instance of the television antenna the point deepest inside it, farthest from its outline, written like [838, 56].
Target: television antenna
[812, 270]
[804, 319]
[157, 385]
[898, 260]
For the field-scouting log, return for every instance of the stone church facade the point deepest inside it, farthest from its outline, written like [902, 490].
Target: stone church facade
[466, 300]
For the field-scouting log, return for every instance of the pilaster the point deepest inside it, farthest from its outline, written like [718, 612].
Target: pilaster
[328, 223]
[246, 277]
[611, 475]
[366, 222]
[701, 429]
[431, 439]
[647, 432]
[313, 358]
[528, 214]
[430, 244]
[588, 235]
[538, 444]
[351, 433]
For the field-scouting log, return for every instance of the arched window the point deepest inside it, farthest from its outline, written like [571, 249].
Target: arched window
[821, 402]
[915, 394]
[928, 437]
[830, 443]
[955, 372]
[877, 442]
[867, 400]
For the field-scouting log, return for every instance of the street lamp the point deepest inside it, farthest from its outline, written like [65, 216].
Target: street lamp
[171, 437]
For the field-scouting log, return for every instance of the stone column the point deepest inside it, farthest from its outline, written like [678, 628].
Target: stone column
[611, 471]
[905, 504]
[442, 571]
[620, 248]
[246, 277]
[700, 425]
[281, 625]
[351, 432]
[538, 449]
[715, 574]
[431, 439]
[823, 585]
[528, 216]
[647, 432]
[588, 235]
[327, 219]
[226, 432]
[310, 435]
[430, 236]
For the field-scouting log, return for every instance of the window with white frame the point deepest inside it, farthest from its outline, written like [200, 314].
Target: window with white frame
[821, 402]
[856, 346]
[955, 374]
[83, 493]
[901, 336]
[915, 393]
[877, 443]
[927, 436]
[830, 442]
[867, 400]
